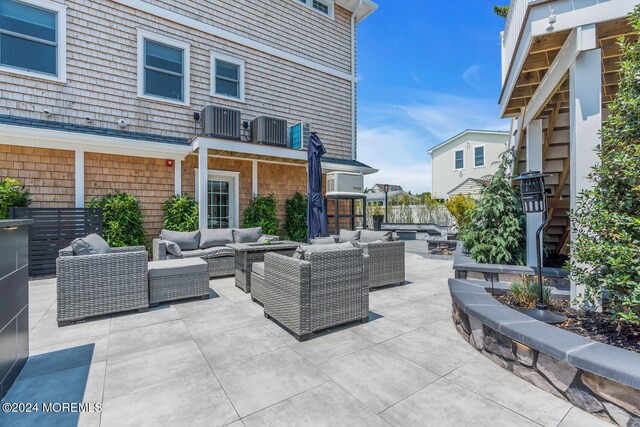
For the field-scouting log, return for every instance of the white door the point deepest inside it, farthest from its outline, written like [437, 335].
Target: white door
[222, 199]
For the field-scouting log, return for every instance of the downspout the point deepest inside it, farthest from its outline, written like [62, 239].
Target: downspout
[354, 78]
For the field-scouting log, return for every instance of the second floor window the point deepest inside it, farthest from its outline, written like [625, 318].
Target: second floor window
[322, 6]
[163, 70]
[478, 156]
[459, 159]
[28, 37]
[227, 77]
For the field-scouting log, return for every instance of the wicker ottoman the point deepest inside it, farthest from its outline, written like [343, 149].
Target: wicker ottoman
[257, 282]
[177, 279]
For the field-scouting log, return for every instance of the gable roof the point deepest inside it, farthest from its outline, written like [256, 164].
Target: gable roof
[475, 182]
[467, 132]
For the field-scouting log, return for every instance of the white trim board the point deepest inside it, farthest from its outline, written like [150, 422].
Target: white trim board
[235, 178]
[236, 38]
[60, 140]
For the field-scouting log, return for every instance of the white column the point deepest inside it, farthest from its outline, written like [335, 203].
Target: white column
[203, 169]
[254, 177]
[177, 176]
[535, 140]
[585, 92]
[79, 175]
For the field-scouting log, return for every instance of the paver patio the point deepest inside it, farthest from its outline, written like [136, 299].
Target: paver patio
[220, 362]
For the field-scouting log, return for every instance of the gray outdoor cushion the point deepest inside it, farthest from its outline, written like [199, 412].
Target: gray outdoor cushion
[323, 241]
[90, 245]
[334, 247]
[219, 251]
[349, 236]
[263, 239]
[258, 268]
[187, 241]
[176, 267]
[219, 237]
[173, 248]
[299, 253]
[368, 236]
[247, 235]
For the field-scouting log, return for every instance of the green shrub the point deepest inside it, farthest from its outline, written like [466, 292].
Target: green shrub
[262, 212]
[460, 206]
[181, 213]
[121, 219]
[606, 245]
[525, 292]
[295, 221]
[12, 195]
[495, 231]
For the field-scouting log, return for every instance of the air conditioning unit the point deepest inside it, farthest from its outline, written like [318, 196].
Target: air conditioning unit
[345, 183]
[269, 130]
[299, 135]
[220, 122]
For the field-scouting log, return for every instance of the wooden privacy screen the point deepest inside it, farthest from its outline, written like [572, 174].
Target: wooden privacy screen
[54, 229]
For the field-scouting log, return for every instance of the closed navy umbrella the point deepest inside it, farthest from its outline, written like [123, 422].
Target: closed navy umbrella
[317, 220]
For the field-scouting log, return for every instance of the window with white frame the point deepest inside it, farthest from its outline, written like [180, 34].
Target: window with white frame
[323, 6]
[32, 37]
[227, 79]
[459, 159]
[478, 156]
[163, 68]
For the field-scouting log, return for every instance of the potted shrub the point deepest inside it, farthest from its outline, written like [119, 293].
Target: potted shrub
[12, 195]
[378, 217]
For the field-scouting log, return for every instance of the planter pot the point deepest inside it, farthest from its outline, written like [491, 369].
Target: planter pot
[377, 222]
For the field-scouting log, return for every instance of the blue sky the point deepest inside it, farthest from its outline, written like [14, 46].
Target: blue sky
[428, 70]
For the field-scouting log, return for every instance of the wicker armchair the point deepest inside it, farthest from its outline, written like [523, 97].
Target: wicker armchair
[217, 266]
[91, 285]
[325, 290]
[386, 262]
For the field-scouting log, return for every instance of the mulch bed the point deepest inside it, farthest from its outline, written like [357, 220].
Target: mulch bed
[596, 326]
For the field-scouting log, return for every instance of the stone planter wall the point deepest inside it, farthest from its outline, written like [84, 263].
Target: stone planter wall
[586, 389]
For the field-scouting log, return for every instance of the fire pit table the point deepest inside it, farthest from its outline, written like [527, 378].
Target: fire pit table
[248, 253]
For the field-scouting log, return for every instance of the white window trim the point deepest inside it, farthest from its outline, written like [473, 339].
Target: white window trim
[186, 47]
[61, 41]
[239, 62]
[309, 4]
[454, 159]
[484, 156]
[236, 191]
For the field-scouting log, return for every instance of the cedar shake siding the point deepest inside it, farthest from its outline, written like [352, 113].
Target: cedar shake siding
[102, 68]
[48, 174]
[148, 180]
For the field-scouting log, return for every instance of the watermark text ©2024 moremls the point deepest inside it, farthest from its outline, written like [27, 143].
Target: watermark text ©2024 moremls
[53, 407]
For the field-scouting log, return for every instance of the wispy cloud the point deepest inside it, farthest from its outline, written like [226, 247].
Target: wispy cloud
[472, 76]
[395, 138]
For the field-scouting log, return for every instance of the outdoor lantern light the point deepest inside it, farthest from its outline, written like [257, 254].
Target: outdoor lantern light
[534, 200]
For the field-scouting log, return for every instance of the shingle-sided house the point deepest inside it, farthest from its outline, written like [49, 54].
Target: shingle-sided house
[459, 164]
[108, 95]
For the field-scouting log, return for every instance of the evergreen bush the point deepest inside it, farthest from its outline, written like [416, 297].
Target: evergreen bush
[12, 195]
[122, 220]
[495, 231]
[295, 222]
[181, 213]
[262, 212]
[606, 242]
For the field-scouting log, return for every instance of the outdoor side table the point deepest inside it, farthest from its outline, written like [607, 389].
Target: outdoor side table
[248, 253]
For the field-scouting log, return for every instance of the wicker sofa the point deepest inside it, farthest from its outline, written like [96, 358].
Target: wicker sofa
[386, 255]
[220, 259]
[322, 290]
[92, 285]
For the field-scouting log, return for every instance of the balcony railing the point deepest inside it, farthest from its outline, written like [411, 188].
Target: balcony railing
[513, 26]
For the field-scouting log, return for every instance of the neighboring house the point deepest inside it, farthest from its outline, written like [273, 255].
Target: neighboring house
[378, 188]
[469, 187]
[560, 63]
[99, 96]
[469, 155]
[395, 197]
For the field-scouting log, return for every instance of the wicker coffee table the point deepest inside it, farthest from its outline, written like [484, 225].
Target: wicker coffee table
[248, 253]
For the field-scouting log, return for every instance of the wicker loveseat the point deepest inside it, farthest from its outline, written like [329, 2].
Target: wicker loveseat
[210, 245]
[322, 290]
[92, 285]
[386, 255]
